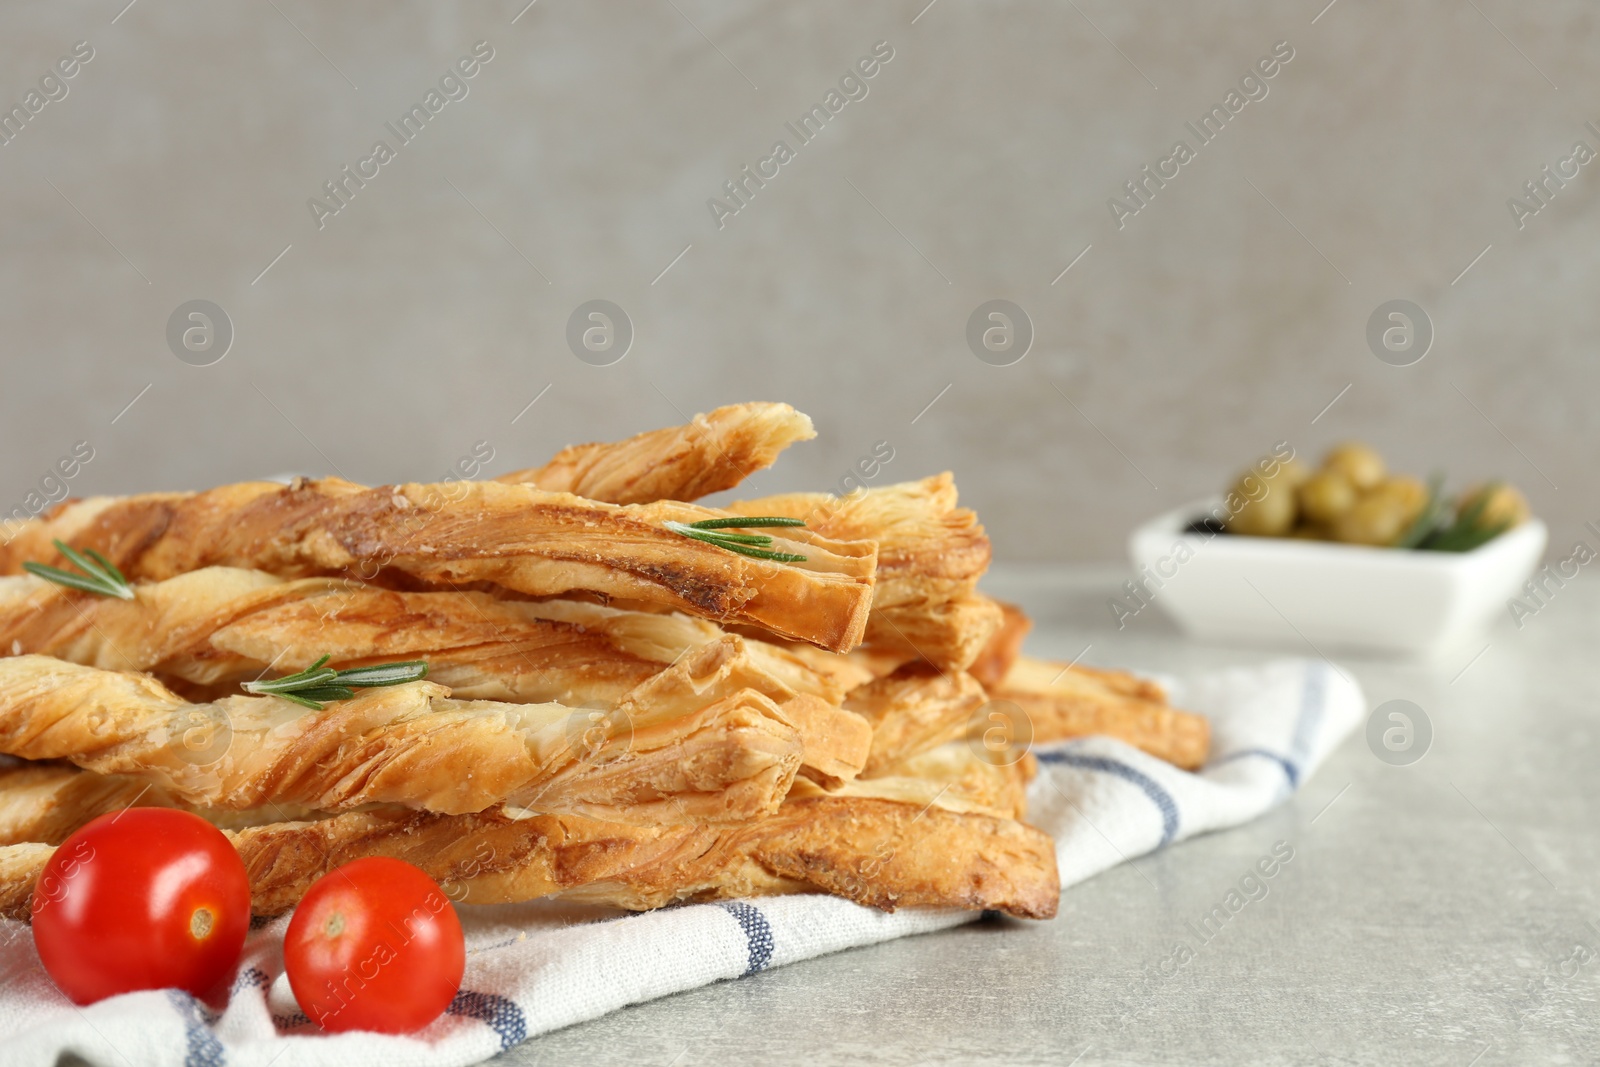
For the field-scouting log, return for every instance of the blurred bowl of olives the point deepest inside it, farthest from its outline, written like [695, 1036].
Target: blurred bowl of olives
[1347, 554]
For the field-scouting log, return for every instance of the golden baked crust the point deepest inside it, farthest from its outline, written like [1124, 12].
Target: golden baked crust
[166, 628]
[1063, 702]
[516, 537]
[880, 853]
[956, 776]
[994, 662]
[44, 802]
[914, 709]
[716, 451]
[935, 829]
[1038, 675]
[692, 743]
[220, 625]
[931, 554]
[20, 867]
[834, 741]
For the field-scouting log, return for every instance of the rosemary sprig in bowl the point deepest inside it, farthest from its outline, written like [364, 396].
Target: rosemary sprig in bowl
[99, 575]
[757, 546]
[318, 683]
[1431, 517]
[1473, 525]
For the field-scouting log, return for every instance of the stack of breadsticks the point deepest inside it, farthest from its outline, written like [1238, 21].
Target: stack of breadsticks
[613, 711]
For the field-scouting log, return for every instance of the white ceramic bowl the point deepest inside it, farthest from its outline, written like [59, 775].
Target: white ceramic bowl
[1279, 591]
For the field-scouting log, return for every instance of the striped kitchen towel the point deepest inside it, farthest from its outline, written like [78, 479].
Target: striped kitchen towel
[536, 967]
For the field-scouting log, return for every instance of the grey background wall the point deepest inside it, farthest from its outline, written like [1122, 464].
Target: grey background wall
[424, 316]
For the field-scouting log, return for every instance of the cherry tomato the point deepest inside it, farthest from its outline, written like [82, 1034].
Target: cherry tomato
[374, 945]
[147, 898]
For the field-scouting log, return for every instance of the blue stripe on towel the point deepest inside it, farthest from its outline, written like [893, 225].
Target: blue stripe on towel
[202, 1049]
[1152, 788]
[250, 976]
[757, 933]
[1313, 702]
[502, 1016]
[1290, 770]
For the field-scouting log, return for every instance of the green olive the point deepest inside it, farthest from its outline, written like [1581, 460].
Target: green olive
[1408, 494]
[1270, 515]
[1360, 465]
[1375, 519]
[1291, 473]
[1326, 495]
[1503, 505]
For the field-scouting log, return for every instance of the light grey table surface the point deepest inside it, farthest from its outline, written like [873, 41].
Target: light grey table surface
[1444, 912]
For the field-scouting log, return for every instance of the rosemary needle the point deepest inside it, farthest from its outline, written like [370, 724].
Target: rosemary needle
[319, 683]
[737, 523]
[99, 575]
[753, 545]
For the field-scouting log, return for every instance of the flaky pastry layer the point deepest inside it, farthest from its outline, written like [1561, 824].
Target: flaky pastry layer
[695, 742]
[915, 709]
[219, 625]
[515, 537]
[881, 853]
[1063, 702]
[930, 555]
[715, 451]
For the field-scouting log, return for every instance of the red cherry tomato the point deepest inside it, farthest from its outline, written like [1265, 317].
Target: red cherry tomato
[147, 898]
[374, 945]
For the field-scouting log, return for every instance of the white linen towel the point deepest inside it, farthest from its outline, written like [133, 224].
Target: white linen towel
[532, 968]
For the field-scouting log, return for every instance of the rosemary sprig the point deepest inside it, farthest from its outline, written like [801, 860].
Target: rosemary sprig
[318, 683]
[753, 545]
[737, 523]
[1469, 531]
[99, 575]
[1430, 519]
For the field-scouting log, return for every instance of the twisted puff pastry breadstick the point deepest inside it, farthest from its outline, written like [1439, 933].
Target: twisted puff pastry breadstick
[886, 853]
[514, 536]
[1004, 652]
[915, 709]
[931, 554]
[715, 451]
[44, 802]
[220, 625]
[693, 743]
[1063, 702]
